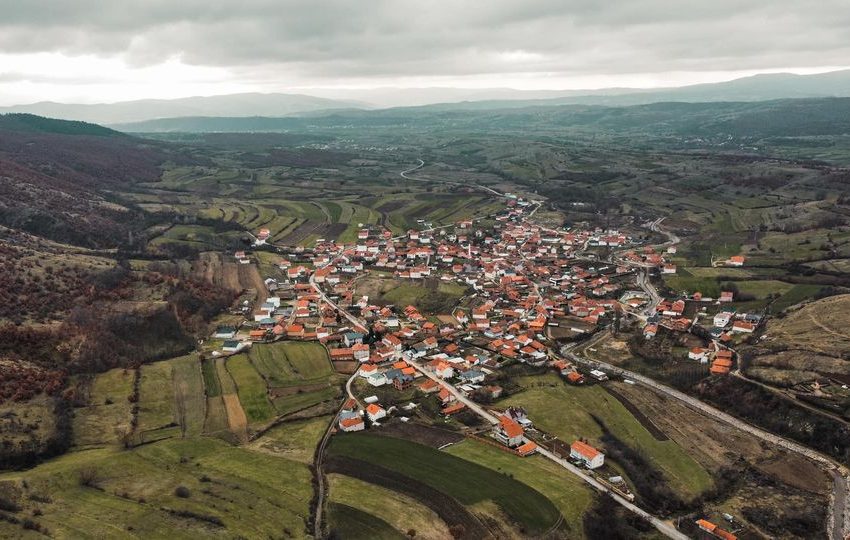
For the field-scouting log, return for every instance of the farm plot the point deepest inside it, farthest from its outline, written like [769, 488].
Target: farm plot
[400, 511]
[463, 480]
[216, 422]
[430, 296]
[290, 403]
[210, 377]
[251, 388]
[233, 492]
[290, 363]
[189, 402]
[295, 440]
[107, 416]
[564, 489]
[299, 375]
[156, 417]
[579, 414]
[359, 525]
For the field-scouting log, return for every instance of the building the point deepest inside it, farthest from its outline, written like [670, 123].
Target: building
[721, 320]
[225, 332]
[508, 432]
[590, 456]
[473, 376]
[375, 412]
[349, 422]
[743, 327]
[698, 353]
[714, 530]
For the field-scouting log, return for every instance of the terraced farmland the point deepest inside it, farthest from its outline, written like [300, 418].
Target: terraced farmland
[108, 415]
[576, 417]
[232, 492]
[251, 388]
[416, 468]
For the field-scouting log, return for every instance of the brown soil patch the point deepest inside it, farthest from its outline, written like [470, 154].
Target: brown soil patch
[236, 416]
[290, 390]
[419, 433]
[637, 413]
[347, 368]
[249, 278]
[303, 231]
[212, 268]
[447, 319]
[715, 444]
[797, 472]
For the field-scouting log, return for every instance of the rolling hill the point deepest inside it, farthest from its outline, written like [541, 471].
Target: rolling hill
[790, 117]
[229, 105]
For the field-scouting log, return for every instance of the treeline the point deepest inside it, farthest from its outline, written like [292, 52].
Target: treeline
[777, 414]
[27, 452]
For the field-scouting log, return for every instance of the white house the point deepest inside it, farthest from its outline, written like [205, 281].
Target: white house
[377, 379]
[351, 422]
[698, 353]
[590, 456]
[375, 412]
[721, 320]
[508, 431]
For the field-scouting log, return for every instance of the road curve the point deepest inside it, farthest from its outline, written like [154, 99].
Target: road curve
[663, 527]
[320, 456]
[838, 472]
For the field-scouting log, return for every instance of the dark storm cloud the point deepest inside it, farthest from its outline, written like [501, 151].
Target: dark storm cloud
[402, 37]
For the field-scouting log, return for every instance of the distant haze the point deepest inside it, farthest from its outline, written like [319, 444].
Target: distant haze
[756, 88]
[86, 51]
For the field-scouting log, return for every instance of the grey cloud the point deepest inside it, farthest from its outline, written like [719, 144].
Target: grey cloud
[387, 38]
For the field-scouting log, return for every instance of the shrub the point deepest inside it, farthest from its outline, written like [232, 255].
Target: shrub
[182, 492]
[88, 476]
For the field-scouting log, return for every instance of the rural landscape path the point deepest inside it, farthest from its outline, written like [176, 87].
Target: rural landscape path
[318, 517]
[838, 498]
[662, 526]
[839, 514]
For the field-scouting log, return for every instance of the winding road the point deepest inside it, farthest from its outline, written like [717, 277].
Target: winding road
[838, 472]
[839, 514]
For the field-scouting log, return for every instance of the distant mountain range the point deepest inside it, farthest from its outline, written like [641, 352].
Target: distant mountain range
[755, 88]
[146, 109]
[775, 118]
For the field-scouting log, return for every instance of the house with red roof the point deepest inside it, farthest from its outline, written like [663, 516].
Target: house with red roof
[352, 423]
[375, 412]
[508, 432]
[590, 456]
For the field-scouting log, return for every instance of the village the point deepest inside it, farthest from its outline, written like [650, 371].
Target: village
[527, 287]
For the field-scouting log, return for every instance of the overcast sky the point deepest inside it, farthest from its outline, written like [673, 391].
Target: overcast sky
[105, 51]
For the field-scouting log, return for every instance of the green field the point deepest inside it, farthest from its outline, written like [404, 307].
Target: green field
[569, 493]
[431, 297]
[397, 510]
[290, 362]
[107, 417]
[348, 522]
[189, 399]
[301, 400]
[251, 389]
[156, 396]
[568, 412]
[131, 493]
[210, 376]
[466, 481]
[295, 440]
[225, 379]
